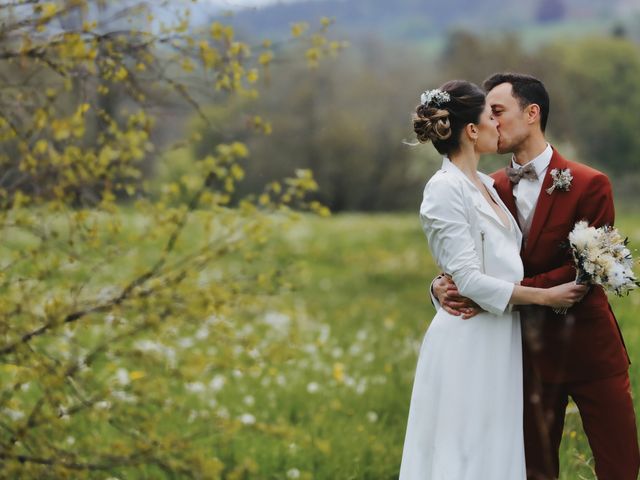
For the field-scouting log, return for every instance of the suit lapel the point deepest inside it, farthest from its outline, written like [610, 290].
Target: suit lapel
[544, 204]
[505, 189]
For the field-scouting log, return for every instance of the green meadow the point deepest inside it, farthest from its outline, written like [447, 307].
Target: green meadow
[313, 382]
[366, 280]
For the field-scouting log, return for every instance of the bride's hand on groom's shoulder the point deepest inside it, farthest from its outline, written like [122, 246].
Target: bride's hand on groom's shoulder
[451, 301]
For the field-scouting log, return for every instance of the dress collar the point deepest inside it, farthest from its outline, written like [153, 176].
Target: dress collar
[449, 166]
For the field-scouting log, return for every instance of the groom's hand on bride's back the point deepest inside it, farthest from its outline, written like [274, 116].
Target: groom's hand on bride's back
[450, 299]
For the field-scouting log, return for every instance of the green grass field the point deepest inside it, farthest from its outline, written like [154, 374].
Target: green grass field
[366, 282]
[313, 383]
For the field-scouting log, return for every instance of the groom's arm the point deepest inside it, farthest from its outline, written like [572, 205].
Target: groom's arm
[595, 206]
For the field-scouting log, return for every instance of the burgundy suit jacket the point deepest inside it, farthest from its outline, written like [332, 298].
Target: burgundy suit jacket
[586, 343]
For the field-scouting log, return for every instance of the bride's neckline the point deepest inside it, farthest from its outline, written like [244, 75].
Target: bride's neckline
[500, 212]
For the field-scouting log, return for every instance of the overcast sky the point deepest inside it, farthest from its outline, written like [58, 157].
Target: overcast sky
[240, 4]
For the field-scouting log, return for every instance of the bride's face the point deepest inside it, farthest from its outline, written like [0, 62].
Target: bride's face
[487, 132]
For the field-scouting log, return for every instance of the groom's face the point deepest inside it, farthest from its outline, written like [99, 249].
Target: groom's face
[513, 127]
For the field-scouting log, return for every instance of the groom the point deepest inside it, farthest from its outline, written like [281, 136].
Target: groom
[580, 354]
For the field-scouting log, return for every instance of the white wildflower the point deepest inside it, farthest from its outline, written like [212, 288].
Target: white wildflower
[372, 416]
[14, 415]
[103, 405]
[293, 473]
[195, 387]
[254, 353]
[277, 321]
[313, 387]
[247, 419]
[355, 349]
[202, 333]
[325, 331]
[217, 382]
[122, 376]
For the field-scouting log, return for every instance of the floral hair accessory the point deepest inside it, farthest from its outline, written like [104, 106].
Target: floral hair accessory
[561, 179]
[435, 96]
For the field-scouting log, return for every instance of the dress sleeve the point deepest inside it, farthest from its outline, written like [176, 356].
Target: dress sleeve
[445, 222]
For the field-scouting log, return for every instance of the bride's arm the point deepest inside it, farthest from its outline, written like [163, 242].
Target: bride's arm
[564, 295]
[444, 220]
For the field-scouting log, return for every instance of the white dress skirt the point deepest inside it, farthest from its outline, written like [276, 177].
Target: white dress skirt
[465, 417]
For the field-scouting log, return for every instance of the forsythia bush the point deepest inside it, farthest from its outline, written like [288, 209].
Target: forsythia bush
[118, 306]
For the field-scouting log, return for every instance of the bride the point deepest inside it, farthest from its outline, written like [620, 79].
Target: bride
[465, 418]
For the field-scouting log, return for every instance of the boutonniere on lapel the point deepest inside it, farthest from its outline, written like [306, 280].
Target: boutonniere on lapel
[561, 179]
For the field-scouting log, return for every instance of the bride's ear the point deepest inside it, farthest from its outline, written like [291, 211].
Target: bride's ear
[471, 130]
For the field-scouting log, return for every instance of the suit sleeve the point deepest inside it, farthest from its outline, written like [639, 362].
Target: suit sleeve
[445, 223]
[596, 207]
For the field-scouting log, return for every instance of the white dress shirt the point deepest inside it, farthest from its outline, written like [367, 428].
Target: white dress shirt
[526, 192]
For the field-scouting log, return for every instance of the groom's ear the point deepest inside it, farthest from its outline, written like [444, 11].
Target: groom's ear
[533, 113]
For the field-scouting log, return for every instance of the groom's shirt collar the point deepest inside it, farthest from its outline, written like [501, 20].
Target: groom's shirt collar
[540, 163]
[526, 192]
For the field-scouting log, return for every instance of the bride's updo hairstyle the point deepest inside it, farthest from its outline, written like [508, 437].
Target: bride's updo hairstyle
[444, 112]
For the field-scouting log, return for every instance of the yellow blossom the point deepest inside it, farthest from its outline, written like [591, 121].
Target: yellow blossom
[136, 375]
[299, 28]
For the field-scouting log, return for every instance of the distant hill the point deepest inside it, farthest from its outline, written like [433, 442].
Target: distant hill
[406, 20]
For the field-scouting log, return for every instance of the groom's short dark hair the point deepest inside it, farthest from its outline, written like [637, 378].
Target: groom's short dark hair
[527, 89]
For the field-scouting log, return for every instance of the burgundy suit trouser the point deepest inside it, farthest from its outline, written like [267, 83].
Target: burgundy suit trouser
[608, 419]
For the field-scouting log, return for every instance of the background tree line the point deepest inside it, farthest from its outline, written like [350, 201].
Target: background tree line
[348, 121]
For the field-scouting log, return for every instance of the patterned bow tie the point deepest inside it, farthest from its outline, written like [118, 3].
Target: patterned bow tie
[528, 172]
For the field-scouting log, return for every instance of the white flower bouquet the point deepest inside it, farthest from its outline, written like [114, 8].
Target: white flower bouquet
[602, 258]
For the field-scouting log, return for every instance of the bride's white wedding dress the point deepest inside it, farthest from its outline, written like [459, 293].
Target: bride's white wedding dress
[465, 418]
